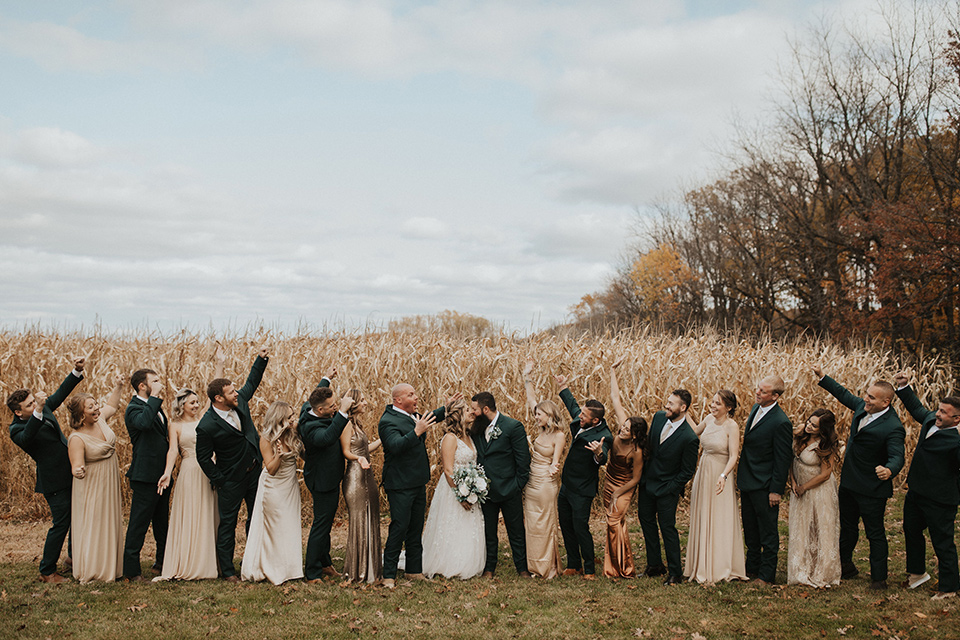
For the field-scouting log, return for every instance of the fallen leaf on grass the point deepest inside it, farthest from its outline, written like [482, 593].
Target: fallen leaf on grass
[137, 607]
[919, 615]
[697, 636]
[95, 592]
[641, 633]
[484, 593]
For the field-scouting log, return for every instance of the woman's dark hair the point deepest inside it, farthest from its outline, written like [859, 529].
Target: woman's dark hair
[729, 400]
[829, 442]
[638, 431]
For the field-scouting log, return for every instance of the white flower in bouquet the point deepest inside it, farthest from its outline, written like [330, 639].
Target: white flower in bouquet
[464, 489]
[472, 498]
[481, 484]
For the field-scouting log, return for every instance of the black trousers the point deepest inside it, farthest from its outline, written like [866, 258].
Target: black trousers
[59, 502]
[325, 505]
[853, 508]
[573, 511]
[651, 511]
[760, 533]
[407, 509]
[146, 507]
[229, 498]
[921, 513]
[512, 509]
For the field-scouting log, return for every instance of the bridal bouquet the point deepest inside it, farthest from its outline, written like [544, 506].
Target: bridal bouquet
[470, 483]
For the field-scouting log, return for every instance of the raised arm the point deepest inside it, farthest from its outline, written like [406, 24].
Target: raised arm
[838, 391]
[618, 409]
[69, 383]
[910, 400]
[256, 375]
[528, 387]
[113, 402]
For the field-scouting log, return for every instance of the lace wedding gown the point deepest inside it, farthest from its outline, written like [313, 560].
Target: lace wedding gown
[453, 543]
[814, 553]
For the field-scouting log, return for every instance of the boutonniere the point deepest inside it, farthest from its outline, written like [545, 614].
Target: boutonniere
[495, 433]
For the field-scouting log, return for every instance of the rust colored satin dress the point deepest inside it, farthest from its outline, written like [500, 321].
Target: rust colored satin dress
[617, 557]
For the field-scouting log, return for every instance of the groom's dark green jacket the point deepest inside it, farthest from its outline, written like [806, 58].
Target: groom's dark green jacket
[505, 459]
[323, 461]
[580, 471]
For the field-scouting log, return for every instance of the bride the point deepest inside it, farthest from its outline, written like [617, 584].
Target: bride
[453, 543]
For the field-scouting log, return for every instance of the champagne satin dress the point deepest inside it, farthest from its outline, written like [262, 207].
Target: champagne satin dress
[363, 561]
[540, 513]
[96, 518]
[191, 551]
[617, 557]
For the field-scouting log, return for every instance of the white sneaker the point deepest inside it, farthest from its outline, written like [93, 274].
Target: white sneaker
[914, 581]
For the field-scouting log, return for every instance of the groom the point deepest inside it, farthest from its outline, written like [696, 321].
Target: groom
[406, 472]
[504, 454]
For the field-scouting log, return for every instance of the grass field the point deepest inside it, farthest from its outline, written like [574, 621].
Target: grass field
[505, 607]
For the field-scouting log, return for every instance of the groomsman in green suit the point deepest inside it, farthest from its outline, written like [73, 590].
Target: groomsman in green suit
[406, 472]
[874, 455]
[35, 430]
[580, 480]
[765, 458]
[504, 454]
[149, 436]
[933, 491]
[320, 427]
[672, 462]
[227, 431]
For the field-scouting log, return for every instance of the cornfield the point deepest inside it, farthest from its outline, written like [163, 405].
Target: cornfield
[438, 364]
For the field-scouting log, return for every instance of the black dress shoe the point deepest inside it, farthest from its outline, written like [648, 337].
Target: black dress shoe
[848, 570]
[672, 580]
[655, 571]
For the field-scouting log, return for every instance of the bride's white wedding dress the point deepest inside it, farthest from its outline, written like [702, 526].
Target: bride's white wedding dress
[453, 542]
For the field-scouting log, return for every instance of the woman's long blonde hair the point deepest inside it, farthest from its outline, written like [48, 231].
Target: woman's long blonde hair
[275, 427]
[453, 420]
[554, 417]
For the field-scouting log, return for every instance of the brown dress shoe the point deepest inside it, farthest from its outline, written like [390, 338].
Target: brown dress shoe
[389, 583]
[330, 571]
[233, 578]
[486, 574]
[525, 574]
[53, 578]
[589, 576]
[571, 572]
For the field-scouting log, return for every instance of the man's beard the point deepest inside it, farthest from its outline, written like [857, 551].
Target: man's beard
[480, 424]
[671, 416]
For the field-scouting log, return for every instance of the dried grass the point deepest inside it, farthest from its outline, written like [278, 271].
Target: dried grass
[438, 364]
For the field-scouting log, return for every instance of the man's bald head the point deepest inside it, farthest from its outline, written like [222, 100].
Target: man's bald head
[878, 397]
[405, 397]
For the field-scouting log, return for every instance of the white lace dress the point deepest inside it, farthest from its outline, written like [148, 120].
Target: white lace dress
[814, 552]
[453, 543]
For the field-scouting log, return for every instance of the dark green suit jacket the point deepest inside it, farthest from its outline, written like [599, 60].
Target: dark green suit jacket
[935, 469]
[672, 463]
[323, 461]
[45, 443]
[766, 453]
[147, 425]
[879, 444]
[580, 471]
[235, 450]
[406, 464]
[505, 459]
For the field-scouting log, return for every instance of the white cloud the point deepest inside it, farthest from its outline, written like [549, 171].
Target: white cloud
[424, 227]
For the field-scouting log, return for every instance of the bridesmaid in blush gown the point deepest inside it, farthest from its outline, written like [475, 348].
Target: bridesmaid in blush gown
[715, 542]
[363, 561]
[96, 517]
[620, 483]
[274, 548]
[191, 552]
[814, 552]
[540, 493]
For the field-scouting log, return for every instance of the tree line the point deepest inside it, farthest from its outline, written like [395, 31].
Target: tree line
[838, 217]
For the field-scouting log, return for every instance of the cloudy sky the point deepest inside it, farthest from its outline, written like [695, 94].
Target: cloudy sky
[196, 163]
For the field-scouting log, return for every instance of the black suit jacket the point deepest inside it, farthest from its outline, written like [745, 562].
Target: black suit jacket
[236, 450]
[323, 461]
[935, 469]
[505, 459]
[766, 453]
[406, 464]
[672, 463]
[580, 471]
[879, 444]
[45, 443]
[147, 425]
